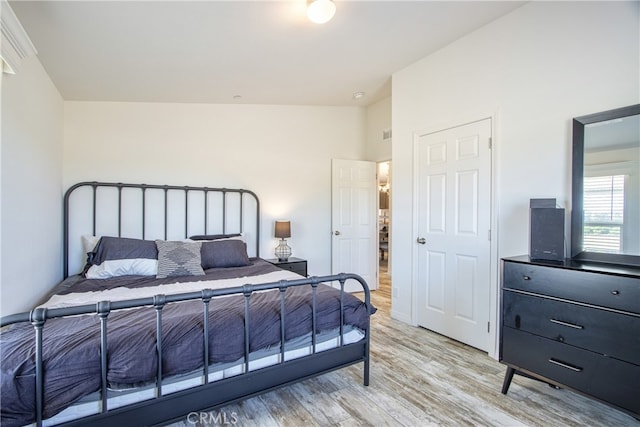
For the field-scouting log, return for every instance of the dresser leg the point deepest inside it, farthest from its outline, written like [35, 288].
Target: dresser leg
[508, 376]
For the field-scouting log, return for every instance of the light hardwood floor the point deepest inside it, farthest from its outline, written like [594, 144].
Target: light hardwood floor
[418, 378]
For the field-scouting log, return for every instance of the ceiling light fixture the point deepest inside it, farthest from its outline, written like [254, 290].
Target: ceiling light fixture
[358, 95]
[321, 11]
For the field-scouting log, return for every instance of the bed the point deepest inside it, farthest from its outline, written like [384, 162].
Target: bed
[173, 311]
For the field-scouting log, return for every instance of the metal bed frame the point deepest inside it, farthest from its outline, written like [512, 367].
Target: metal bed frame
[210, 395]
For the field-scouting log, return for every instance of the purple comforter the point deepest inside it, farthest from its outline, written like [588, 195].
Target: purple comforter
[72, 345]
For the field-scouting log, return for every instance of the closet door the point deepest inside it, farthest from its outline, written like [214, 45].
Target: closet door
[453, 209]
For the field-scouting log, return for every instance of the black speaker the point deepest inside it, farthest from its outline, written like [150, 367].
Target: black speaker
[546, 231]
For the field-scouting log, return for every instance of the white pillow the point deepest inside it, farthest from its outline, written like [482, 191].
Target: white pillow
[123, 267]
[89, 243]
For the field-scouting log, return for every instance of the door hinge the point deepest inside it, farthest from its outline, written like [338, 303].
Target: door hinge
[490, 143]
[489, 235]
[488, 326]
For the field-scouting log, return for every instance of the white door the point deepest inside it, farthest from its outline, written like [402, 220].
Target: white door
[354, 220]
[453, 189]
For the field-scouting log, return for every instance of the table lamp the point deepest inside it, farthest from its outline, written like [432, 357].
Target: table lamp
[283, 230]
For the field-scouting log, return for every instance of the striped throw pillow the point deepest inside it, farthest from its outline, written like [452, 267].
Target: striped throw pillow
[178, 259]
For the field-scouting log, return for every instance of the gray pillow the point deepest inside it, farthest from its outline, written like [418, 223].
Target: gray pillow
[224, 253]
[178, 259]
[214, 236]
[112, 248]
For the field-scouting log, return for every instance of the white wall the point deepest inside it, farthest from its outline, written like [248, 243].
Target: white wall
[378, 120]
[283, 153]
[535, 68]
[32, 118]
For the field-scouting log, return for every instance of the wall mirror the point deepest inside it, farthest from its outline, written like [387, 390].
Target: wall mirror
[605, 214]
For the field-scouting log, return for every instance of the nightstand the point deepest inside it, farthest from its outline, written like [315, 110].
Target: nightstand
[296, 265]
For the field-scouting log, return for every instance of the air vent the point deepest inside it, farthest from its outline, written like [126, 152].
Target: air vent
[386, 135]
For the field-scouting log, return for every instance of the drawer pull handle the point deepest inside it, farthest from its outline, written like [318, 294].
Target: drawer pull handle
[567, 324]
[615, 292]
[526, 278]
[565, 365]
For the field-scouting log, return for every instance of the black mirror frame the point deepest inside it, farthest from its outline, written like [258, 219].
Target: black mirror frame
[577, 183]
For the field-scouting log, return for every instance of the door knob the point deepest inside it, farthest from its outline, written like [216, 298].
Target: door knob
[337, 233]
[421, 240]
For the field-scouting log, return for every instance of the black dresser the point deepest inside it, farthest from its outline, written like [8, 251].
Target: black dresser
[573, 325]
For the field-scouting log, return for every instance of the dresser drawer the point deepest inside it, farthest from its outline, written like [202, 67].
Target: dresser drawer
[606, 290]
[589, 328]
[605, 378]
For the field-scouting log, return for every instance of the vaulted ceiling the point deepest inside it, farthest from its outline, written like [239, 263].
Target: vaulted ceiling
[254, 52]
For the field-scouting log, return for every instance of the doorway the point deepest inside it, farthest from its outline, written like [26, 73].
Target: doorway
[384, 225]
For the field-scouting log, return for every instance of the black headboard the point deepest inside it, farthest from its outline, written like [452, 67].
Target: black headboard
[146, 211]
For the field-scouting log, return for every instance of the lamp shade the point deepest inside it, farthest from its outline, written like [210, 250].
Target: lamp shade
[283, 229]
